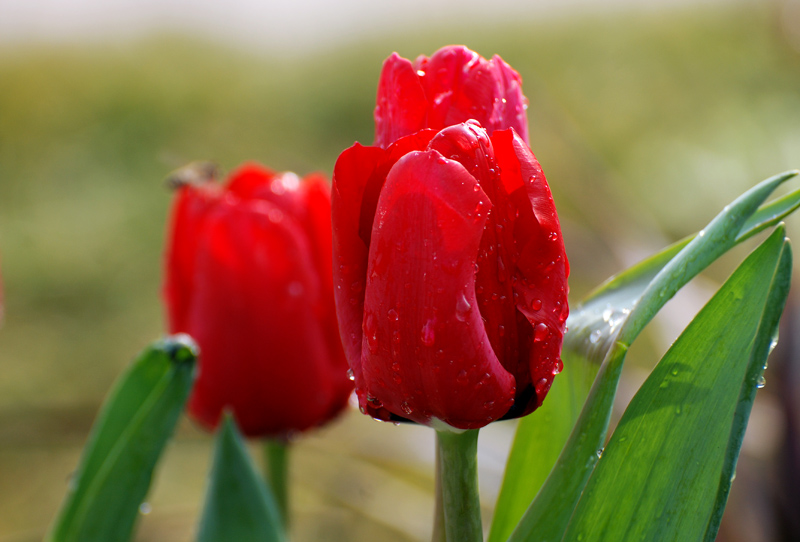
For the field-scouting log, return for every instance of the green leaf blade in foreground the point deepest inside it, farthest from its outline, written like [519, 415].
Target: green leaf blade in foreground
[238, 506]
[134, 424]
[601, 329]
[538, 441]
[660, 476]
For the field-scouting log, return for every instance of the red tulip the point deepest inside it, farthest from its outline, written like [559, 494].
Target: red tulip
[450, 275]
[248, 275]
[453, 86]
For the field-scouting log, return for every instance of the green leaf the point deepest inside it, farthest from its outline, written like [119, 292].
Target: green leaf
[601, 329]
[238, 506]
[667, 467]
[127, 439]
[538, 441]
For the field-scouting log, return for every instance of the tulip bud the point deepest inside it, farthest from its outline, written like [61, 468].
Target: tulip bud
[452, 86]
[450, 276]
[248, 275]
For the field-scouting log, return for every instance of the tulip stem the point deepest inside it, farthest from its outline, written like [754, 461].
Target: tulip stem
[457, 501]
[276, 474]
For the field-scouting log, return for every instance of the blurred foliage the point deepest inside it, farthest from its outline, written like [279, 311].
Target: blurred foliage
[626, 113]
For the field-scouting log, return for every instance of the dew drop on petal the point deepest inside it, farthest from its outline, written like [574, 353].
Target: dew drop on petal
[540, 332]
[275, 215]
[371, 332]
[406, 408]
[536, 304]
[462, 308]
[393, 316]
[295, 289]
[427, 335]
[350, 375]
[462, 377]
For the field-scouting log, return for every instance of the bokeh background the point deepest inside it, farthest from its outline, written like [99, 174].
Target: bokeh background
[647, 121]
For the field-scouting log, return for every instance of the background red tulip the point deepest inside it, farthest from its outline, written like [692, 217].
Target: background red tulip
[248, 275]
[451, 276]
[452, 86]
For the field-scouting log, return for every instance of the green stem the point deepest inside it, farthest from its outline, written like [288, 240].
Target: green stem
[438, 513]
[457, 463]
[276, 474]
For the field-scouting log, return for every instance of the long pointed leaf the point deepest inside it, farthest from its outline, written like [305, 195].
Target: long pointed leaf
[608, 322]
[659, 478]
[540, 438]
[127, 439]
[238, 506]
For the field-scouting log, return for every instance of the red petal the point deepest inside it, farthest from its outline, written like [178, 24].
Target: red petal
[350, 175]
[316, 197]
[270, 366]
[542, 267]
[461, 85]
[189, 212]
[425, 351]
[401, 107]
[469, 144]
[251, 181]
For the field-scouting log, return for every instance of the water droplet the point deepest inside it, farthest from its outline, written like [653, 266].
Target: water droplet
[558, 367]
[664, 384]
[540, 332]
[350, 375]
[501, 330]
[393, 316]
[371, 332]
[406, 408]
[427, 335]
[461, 378]
[599, 453]
[502, 274]
[462, 308]
[595, 336]
[541, 386]
[553, 236]
[488, 405]
[674, 371]
[678, 410]
[145, 508]
[761, 382]
[536, 304]
[772, 345]
[421, 73]
[295, 289]
[357, 287]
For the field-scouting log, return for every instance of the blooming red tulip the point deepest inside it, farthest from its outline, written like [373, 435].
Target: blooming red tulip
[453, 86]
[248, 275]
[450, 275]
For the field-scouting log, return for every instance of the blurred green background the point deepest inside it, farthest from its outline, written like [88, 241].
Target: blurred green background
[645, 124]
